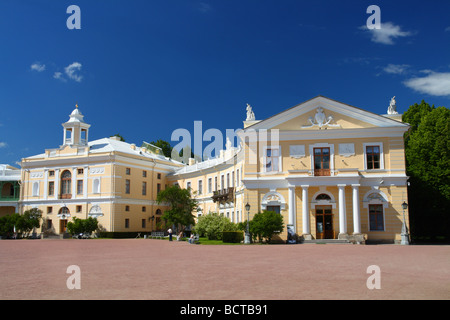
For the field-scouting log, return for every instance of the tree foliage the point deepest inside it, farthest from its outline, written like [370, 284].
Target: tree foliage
[266, 224]
[427, 150]
[165, 146]
[212, 225]
[181, 205]
[23, 223]
[78, 226]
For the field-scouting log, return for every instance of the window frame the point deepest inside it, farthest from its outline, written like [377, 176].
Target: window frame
[373, 144]
[272, 157]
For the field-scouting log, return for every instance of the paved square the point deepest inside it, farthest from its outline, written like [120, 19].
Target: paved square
[158, 269]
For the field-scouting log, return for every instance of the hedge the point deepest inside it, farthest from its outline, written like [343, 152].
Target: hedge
[119, 235]
[232, 236]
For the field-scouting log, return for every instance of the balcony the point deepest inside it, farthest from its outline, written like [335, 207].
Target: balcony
[224, 195]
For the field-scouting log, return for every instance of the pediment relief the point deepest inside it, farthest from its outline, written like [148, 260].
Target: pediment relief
[323, 119]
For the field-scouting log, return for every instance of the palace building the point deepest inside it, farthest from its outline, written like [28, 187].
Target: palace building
[333, 171]
[113, 181]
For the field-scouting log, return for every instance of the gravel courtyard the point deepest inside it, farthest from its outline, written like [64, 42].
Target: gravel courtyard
[163, 270]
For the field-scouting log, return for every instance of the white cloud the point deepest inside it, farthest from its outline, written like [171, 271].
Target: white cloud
[387, 33]
[59, 76]
[37, 67]
[396, 68]
[434, 83]
[3, 144]
[71, 71]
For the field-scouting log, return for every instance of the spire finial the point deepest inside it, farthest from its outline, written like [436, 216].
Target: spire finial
[76, 105]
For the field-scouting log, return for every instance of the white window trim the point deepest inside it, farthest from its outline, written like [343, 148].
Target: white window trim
[199, 190]
[280, 162]
[385, 204]
[375, 144]
[97, 190]
[322, 145]
[36, 186]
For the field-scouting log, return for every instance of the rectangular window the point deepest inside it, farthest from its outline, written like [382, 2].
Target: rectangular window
[51, 188]
[215, 183]
[272, 160]
[188, 185]
[144, 174]
[49, 223]
[79, 186]
[144, 188]
[80, 171]
[373, 157]
[322, 162]
[273, 208]
[376, 217]
[127, 171]
[209, 185]
[127, 223]
[143, 223]
[49, 210]
[127, 208]
[222, 182]
[78, 209]
[159, 175]
[158, 188]
[144, 209]
[127, 186]
[200, 187]
[51, 173]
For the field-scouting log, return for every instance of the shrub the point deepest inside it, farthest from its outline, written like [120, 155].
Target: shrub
[212, 225]
[232, 236]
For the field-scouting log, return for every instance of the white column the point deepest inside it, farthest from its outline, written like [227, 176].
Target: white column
[57, 191]
[305, 211]
[85, 182]
[342, 213]
[74, 182]
[292, 209]
[356, 212]
[45, 184]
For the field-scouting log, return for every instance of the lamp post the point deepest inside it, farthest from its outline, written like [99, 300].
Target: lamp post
[404, 235]
[247, 232]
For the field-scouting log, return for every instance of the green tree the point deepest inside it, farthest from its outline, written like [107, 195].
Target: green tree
[165, 146]
[427, 150]
[181, 205]
[78, 226]
[120, 137]
[265, 225]
[7, 224]
[27, 222]
[212, 225]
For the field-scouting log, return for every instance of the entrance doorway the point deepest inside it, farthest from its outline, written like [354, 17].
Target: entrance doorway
[324, 222]
[62, 226]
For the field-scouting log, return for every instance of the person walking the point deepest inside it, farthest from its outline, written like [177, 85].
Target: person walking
[170, 234]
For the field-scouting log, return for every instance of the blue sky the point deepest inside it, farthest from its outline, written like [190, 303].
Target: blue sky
[143, 68]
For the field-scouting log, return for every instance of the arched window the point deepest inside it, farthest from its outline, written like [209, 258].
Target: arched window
[66, 185]
[158, 211]
[323, 196]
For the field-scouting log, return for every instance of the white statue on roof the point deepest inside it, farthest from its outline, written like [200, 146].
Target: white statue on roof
[392, 106]
[250, 113]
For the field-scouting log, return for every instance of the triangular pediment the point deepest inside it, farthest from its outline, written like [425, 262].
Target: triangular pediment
[324, 113]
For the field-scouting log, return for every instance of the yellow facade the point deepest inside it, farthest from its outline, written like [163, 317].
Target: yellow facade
[332, 171]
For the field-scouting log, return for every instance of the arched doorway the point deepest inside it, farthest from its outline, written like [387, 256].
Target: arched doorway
[324, 217]
[63, 215]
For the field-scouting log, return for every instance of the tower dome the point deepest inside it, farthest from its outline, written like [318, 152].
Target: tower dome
[76, 130]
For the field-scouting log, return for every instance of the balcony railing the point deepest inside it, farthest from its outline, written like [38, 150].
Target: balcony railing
[224, 195]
